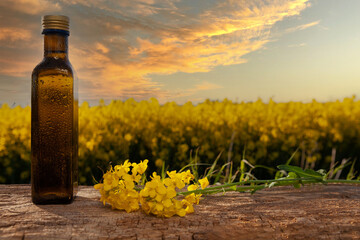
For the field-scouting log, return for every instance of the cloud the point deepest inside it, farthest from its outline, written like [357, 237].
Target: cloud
[189, 94]
[207, 86]
[116, 46]
[127, 8]
[219, 36]
[15, 67]
[31, 7]
[14, 34]
[303, 26]
[102, 48]
[297, 45]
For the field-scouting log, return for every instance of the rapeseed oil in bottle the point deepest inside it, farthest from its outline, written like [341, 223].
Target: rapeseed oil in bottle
[54, 119]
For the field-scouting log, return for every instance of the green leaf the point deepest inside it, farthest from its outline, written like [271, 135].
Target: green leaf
[233, 188]
[314, 173]
[322, 172]
[302, 173]
[292, 175]
[279, 174]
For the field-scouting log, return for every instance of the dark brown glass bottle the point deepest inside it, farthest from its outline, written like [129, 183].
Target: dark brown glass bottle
[54, 119]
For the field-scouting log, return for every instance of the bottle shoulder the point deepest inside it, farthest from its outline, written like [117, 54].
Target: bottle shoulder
[53, 66]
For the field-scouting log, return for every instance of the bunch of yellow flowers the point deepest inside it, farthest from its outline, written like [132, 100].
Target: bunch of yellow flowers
[158, 197]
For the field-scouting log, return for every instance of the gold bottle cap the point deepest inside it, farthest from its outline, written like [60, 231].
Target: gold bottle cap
[55, 22]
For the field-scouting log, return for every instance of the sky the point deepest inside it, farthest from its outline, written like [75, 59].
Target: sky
[190, 50]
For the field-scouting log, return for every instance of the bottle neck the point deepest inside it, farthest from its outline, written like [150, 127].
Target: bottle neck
[55, 45]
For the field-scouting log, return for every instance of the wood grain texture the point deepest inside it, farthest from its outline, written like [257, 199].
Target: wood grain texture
[312, 212]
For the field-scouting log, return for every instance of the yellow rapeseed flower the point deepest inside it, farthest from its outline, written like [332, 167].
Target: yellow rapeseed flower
[204, 182]
[193, 198]
[139, 168]
[118, 188]
[177, 179]
[158, 197]
[110, 181]
[192, 187]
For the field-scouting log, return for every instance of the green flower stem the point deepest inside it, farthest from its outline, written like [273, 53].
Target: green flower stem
[238, 189]
[342, 181]
[138, 189]
[228, 185]
[259, 184]
[265, 183]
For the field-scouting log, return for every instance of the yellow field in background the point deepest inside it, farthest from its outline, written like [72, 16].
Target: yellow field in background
[268, 132]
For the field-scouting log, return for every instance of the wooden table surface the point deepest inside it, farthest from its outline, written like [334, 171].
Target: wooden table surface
[312, 212]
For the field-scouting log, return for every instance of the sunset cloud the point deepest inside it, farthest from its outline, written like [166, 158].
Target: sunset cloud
[207, 86]
[30, 6]
[102, 48]
[15, 67]
[117, 45]
[303, 26]
[14, 34]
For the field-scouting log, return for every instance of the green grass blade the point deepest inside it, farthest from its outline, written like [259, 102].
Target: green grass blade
[218, 175]
[230, 173]
[211, 171]
[292, 156]
[351, 173]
